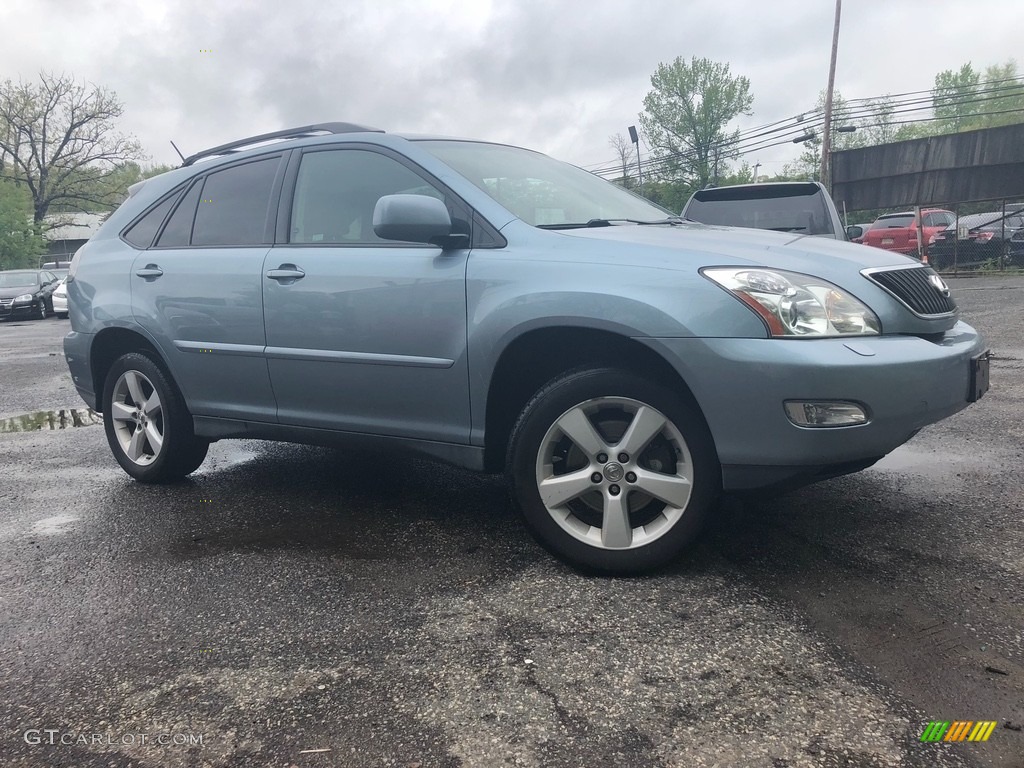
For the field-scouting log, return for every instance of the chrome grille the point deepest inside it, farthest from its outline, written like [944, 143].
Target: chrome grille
[914, 288]
[6, 302]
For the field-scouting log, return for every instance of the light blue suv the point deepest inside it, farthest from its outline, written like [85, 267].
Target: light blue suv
[503, 311]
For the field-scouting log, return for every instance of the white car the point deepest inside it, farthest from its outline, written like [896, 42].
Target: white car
[60, 299]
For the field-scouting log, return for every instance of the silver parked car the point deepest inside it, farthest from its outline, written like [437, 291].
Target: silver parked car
[503, 311]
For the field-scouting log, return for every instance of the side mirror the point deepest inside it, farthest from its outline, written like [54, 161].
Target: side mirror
[854, 231]
[415, 219]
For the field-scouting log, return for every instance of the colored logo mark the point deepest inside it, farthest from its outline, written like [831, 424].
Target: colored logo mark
[958, 730]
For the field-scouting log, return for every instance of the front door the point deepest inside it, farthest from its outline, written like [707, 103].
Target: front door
[363, 334]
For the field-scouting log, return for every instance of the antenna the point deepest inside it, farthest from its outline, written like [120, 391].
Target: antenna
[178, 151]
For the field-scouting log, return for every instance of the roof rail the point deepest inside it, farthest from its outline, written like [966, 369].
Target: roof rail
[288, 133]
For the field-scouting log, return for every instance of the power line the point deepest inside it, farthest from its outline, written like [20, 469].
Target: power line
[763, 136]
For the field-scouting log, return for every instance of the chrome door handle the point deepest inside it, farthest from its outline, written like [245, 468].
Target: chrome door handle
[150, 272]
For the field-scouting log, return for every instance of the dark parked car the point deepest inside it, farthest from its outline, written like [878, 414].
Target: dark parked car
[1015, 253]
[27, 293]
[898, 231]
[975, 239]
[800, 207]
[497, 309]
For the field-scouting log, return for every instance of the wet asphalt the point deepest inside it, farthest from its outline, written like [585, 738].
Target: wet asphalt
[294, 606]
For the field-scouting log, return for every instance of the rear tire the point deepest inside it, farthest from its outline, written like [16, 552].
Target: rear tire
[612, 472]
[148, 425]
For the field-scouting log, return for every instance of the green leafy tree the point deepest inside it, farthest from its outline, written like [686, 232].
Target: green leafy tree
[59, 139]
[686, 117]
[1007, 104]
[20, 245]
[953, 98]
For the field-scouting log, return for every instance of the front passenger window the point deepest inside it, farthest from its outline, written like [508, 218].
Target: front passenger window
[336, 192]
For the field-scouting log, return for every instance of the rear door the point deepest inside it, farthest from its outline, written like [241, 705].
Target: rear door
[364, 334]
[198, 289]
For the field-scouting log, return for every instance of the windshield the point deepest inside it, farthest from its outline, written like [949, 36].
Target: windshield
[540, 190]
[18, 279]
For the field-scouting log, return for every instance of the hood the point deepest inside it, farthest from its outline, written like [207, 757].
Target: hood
[690, 247]
[10, 293]
[702, 245]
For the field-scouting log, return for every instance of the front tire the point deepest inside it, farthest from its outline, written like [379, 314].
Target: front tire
[148, 425]
[612, 472]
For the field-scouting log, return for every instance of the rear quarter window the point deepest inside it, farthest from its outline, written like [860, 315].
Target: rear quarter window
[142, 232]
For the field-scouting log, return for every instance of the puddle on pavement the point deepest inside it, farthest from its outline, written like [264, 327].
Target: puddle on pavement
[224, 455]
[42, 421]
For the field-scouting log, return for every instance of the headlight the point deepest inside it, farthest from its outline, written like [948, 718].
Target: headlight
[794, 305]
[23, 297]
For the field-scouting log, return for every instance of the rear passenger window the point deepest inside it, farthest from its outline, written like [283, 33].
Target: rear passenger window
[233, 207]
[144, 230]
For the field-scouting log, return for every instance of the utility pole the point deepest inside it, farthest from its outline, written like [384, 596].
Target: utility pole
[756, 166]
[826, 133]
[636, 140]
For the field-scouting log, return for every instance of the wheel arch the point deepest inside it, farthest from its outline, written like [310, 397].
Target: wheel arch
[538, 355]
[108, 346]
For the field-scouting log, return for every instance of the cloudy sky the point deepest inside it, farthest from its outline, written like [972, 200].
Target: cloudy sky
[560, 76]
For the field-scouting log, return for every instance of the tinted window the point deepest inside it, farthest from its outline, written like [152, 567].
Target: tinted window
[336, 191]
[144, 230]
[234, 203]
[899, 220]
[800, 209]
[178, 231]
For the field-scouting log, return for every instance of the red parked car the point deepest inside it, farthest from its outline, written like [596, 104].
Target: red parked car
[898, 231]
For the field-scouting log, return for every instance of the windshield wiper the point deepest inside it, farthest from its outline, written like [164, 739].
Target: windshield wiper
[608, 223]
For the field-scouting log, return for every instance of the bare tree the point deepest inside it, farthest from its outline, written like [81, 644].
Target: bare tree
[624, 152]
[59, 139]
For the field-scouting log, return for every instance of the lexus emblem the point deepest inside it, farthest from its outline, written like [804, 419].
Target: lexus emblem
[939, 284]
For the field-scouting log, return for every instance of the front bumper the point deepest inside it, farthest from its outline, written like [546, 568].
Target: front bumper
[18, 310]
[904, 382]
[60, 303]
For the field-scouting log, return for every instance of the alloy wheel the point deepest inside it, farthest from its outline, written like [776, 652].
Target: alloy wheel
[614, 473]
[137, 415]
